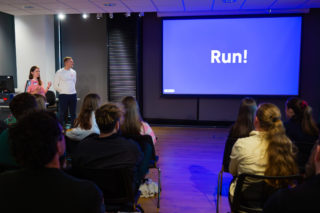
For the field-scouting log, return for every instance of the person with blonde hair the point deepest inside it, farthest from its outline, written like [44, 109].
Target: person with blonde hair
[35, 85]
[85, 124]
[133, 124]
[267, 151]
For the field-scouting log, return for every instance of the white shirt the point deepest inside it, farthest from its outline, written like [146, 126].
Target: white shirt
[79, 134]
[65, 81]
[248, 156]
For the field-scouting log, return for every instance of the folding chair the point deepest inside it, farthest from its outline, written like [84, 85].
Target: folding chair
[145, 141]
[252, 191]
[117, 185]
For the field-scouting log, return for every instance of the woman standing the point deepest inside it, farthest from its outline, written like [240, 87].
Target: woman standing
[34, 85]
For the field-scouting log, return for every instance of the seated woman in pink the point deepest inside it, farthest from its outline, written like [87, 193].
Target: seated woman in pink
[132, 123]
[34, 85]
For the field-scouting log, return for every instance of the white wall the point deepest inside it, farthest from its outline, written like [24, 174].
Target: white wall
[34, 46]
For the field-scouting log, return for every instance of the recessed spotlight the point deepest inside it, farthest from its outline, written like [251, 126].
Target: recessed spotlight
[28, 7]
[61, 16]
[109, 4]
[99, 15]
[85, 15]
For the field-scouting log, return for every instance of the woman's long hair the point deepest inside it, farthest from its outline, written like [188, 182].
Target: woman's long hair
[281, 158]
[32, 69]
[90, 103]
[132, 120]
[303, 114]
[244, 123]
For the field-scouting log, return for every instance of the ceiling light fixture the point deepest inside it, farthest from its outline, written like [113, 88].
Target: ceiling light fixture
[109, 4]
[99, 15]
[85, 15]
[111, 15]
[128, 14]
[61, 16]
[141, 14]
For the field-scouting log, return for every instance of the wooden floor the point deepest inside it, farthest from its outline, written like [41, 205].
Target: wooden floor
[190, 160]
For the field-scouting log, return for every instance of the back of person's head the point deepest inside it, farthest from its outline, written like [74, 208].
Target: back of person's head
[132, 120]
[90, 103]
[300, 111]
[22, 104]
[281, 158]
[244, 123]
[34, 139]
[41, 101]
[107, 117]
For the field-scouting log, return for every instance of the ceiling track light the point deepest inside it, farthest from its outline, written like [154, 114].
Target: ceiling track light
[85, 15]
[111, 15]
[61, 16]
[99, 15]
[128, 14]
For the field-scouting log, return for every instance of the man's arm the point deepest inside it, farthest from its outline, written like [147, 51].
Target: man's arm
[56, 82]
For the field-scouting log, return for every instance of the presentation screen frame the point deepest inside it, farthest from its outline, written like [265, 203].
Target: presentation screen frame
[230, 17]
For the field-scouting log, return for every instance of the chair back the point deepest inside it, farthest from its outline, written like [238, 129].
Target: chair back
[116, 184]
[6, 167]
[252, 191]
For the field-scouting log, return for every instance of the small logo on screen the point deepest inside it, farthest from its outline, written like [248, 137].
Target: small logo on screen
[229, 58]
[169, 90]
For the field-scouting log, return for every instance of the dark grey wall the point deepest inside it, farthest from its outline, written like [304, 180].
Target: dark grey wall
[7, 47]
[86, 42]
[221, 109]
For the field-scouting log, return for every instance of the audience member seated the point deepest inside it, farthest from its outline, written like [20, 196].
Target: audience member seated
[109, 149]
[3, 126]
[41, 101]
[20, 105]
[132, 123]
[37, 145]
[267, 151]
[303, 198]
[301, 129]
[240, 129]
[86, 123]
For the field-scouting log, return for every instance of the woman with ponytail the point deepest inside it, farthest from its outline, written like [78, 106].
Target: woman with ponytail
[86, 123]
[267, 151]
[301, 129]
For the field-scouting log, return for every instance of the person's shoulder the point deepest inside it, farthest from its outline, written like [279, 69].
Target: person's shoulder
[81, 185]
[59, 71]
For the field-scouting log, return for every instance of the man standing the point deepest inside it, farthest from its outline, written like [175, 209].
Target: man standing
[65, 84]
